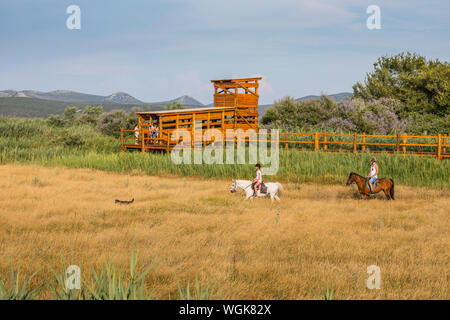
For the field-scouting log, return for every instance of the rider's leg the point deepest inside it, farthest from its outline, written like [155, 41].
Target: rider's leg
[371, 187]
[256, 188]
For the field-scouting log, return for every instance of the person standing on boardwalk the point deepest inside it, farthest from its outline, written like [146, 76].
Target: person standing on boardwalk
[373, 175]
[136, 134]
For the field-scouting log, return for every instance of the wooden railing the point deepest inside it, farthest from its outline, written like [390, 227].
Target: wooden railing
[435, 146]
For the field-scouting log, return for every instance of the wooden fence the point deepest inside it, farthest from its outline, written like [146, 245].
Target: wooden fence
[434, 146]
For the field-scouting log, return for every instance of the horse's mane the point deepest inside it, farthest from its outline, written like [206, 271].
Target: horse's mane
[354, 173]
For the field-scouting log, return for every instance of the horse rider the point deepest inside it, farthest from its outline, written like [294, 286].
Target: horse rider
[258, 180]
[373, 175]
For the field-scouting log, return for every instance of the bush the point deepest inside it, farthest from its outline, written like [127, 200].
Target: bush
[110, 123]
[89, 116]
[373, 116]
[69, 138]
[55, 120]
[22, 127]
[70, 115]
[427, 124]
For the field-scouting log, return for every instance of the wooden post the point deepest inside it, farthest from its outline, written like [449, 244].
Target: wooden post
[444, 149]
[193, 131]
[316, 141]
[355, 141]
[286, 144]
[223, 128]
[168, 139]
[398, 142]
[141, 134]
[439, 146]
[364, 141]
[404, 143]
[325, 140]
[121, 139]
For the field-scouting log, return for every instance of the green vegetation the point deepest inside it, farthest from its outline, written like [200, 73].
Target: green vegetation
[405, 93]
[17, 288]
[174, 106]
[33, 141]
[108, 284]
[89, 138]
[41, 108]
[421, 85]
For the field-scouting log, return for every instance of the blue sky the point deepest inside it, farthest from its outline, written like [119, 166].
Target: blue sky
[160, 49]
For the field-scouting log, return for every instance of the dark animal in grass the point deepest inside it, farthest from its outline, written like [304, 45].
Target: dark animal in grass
[125, 202]
[383, 184]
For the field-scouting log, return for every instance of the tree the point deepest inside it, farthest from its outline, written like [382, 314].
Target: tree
[174, 106]
[55, 120]
[421, 85]
[110, 123]
[289, 114]
[90, 115]
[69, 115]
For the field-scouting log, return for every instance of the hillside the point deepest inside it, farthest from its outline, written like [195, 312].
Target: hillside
[31, 104]
[40, 108]
[71, 96]
[184, 100]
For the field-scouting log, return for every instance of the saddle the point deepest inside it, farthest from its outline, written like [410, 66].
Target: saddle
[262, 187]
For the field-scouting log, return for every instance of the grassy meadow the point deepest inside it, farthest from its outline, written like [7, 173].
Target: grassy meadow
[32, 141]
[198, 233]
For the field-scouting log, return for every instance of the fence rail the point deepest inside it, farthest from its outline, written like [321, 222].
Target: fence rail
[435, 146]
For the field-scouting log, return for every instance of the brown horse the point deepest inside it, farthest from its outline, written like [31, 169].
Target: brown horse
[383, 184]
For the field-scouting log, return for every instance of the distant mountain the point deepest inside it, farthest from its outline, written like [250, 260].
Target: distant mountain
[32, 103]
[71, 96]
[184, 100]
[337, 97]
[122, 97]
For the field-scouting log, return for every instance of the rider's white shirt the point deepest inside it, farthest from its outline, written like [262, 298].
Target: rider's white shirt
[373, 171]
[259, 176]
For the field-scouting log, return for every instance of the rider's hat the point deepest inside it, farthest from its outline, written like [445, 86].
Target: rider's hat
[373, 159]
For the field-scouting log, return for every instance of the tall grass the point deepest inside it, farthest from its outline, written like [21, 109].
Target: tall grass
[18, 285]
[31, 141]
[107, 284]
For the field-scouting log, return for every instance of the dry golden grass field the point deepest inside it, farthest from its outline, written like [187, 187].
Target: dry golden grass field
[247, 250]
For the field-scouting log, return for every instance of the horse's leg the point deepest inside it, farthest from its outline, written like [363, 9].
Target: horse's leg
[386, 193]
[277, 198]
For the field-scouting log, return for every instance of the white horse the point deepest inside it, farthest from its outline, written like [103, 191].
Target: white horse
[274, 189]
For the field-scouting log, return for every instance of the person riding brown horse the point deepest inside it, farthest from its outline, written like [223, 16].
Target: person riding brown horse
[383, 184]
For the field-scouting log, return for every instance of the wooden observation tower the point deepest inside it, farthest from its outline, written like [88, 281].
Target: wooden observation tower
[235, 107]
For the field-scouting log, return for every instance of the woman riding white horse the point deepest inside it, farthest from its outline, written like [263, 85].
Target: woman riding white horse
[274, 189]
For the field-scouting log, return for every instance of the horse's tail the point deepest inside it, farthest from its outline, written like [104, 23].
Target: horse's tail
[280, 188]
[391, 192]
